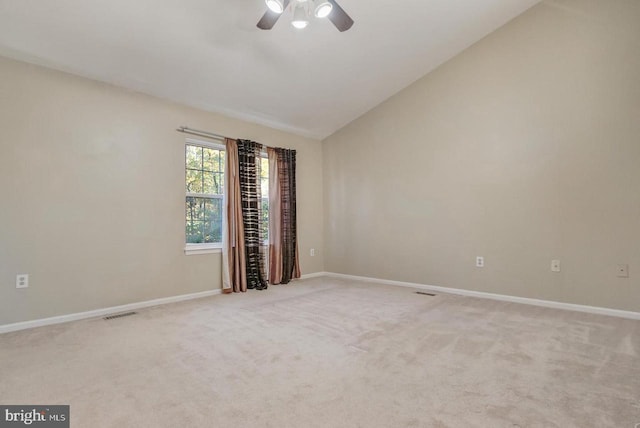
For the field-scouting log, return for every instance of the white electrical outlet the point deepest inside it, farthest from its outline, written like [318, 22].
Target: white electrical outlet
[22, 280]
[479, 261]
[623, 271]
[555, 265]
[312, 252]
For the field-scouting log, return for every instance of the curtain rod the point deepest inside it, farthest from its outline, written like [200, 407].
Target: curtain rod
[191, 131]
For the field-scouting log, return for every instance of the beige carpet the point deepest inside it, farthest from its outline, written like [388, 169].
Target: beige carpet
[331, 353]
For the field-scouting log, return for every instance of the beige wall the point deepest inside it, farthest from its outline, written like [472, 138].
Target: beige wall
[523, 149]
[92, 194]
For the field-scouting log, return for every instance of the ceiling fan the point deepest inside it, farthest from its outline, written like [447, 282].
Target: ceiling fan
[301, 11]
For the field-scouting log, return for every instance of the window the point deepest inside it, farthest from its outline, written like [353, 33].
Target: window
[204, 180]
[264, 185]
[204, 184]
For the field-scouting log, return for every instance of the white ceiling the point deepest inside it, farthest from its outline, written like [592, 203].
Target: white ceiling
[209, 53]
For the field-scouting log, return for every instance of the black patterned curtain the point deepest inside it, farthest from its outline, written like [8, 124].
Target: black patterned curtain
[250, 190]
[287, 168]
[284, 262]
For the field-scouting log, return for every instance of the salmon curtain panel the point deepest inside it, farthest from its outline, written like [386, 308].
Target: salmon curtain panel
[234, 277]
[242, 243]
[284, 262]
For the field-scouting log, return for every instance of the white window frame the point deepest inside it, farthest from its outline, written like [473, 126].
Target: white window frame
[265, 155]
[208, 248]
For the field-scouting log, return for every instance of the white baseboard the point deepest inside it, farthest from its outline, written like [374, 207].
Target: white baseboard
[314, 275]
[6, 328]
[165, 300]
[505, 298]
[105, 311]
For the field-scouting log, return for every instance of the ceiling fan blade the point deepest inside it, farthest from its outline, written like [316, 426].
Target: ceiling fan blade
[339, 17]
[270, 18]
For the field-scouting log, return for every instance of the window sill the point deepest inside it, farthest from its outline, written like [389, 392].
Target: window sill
[197, 249]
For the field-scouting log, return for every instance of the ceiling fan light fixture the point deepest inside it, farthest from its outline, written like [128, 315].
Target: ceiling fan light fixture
[302, 11]
[300, 19]
[322, 8]
[275, 5]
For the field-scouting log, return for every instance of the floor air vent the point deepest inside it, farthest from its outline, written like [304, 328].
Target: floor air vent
[126, 314]
[424, 293]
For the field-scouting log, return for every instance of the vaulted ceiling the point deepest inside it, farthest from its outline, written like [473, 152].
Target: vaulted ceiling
[209, 53]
